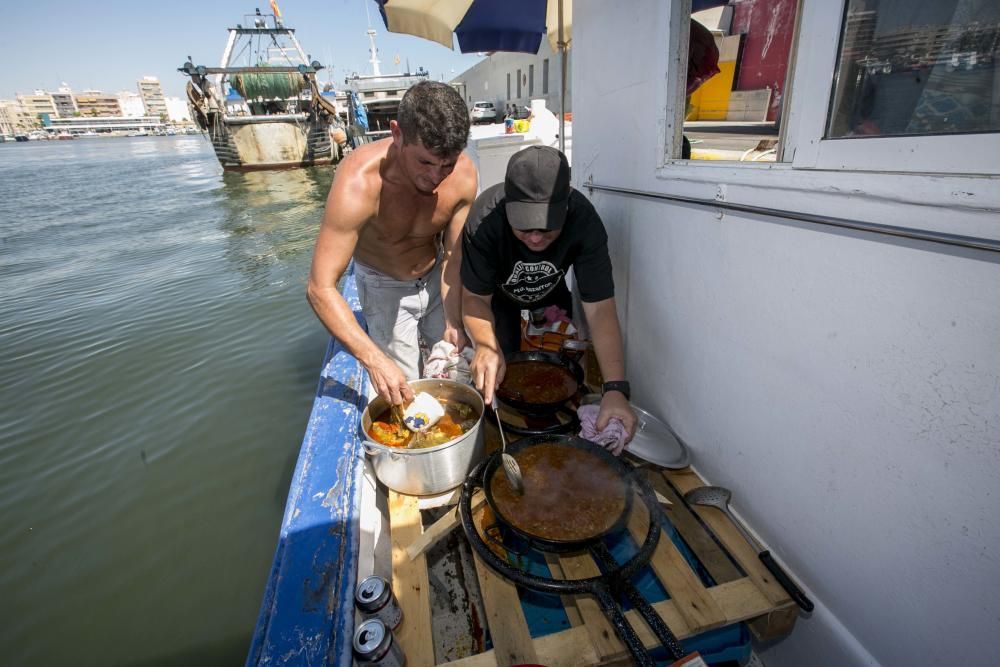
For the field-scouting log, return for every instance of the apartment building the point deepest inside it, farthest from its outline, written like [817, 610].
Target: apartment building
[37, 104]
[131, 104]
[14, 119]
[96, 103]
[152, 96]
[63, 101]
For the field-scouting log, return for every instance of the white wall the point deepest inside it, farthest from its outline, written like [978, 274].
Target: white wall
[845, 386]
[487, 79]
[177, 110]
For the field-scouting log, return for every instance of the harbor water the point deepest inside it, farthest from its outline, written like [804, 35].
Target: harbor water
[159, 365]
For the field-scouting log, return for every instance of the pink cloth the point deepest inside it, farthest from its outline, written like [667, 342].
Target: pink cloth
[611, 438]
[555, 314]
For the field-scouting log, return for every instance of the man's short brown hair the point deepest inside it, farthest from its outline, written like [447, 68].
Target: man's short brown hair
[434, 113]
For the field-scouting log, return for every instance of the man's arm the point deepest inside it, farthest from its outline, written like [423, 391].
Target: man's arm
[487, 367]
[602, 317]
[349, 206]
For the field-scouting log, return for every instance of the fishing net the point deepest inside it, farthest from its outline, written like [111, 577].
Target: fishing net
[269, 86]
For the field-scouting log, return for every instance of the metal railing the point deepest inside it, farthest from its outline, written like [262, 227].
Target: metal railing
[974, 242]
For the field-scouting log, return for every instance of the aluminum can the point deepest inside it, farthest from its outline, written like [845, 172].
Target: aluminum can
[374, 646]
[374, 597]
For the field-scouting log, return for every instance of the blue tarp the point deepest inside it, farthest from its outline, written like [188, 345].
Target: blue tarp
[360, 115]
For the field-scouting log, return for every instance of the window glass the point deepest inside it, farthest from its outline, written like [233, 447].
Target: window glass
[531, 80]
[518, 84]
[914, 67]
[738, 65]
[545, 77]
[508, 85]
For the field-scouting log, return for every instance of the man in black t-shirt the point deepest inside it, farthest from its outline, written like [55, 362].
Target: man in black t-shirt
[520, 238]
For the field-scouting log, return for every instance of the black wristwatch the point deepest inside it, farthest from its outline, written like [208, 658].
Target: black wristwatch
[618, 385]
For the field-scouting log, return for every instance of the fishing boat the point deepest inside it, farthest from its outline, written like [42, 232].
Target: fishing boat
[280, 120]
[818, 329]
[373, 99]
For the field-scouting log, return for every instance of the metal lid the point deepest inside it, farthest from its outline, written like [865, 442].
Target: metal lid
[369, 636]
[655, 441]
[369, 591]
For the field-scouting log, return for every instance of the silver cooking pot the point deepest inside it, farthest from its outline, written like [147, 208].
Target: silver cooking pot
[421, 472]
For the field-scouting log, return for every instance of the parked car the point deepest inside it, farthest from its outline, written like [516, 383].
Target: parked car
[483, 112]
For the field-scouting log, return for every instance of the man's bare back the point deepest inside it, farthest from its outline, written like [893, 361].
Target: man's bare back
[399, 238]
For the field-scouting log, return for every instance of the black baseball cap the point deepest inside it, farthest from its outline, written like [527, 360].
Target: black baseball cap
[537, 189]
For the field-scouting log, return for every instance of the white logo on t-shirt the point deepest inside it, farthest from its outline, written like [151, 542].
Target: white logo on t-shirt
[532, 281]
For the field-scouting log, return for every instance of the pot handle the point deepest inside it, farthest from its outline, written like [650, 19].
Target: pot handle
[369, 450]
[575, 345]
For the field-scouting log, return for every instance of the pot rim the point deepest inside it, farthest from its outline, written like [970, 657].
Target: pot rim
[423, 450]
[369, 443]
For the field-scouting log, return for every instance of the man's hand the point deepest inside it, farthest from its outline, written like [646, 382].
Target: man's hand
[487, 369]
[389, 381]
[614, 404]
[456, 336]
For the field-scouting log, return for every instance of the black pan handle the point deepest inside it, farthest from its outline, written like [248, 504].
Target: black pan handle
[790, 587]
[621, 626]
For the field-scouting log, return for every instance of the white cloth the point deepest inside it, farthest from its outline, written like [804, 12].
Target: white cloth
[444, 361]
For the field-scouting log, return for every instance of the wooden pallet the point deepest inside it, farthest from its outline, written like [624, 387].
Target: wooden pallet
[691, 609]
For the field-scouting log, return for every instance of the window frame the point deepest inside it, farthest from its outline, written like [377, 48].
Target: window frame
[811, 96]
[879, 192]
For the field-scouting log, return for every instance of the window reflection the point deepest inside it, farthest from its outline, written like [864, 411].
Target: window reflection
[738, 64]
[912, 67]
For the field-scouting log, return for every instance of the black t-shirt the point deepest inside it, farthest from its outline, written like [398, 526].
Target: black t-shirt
[495, 262]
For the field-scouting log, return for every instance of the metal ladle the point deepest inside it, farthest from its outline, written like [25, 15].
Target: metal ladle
[510, 467]
[719, 497]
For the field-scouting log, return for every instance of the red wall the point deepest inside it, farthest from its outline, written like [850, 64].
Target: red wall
[767, 26]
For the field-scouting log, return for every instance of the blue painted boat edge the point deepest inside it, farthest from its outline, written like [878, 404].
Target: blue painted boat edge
[307, 611]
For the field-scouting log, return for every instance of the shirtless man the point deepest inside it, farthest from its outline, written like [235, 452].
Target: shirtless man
[398, 207]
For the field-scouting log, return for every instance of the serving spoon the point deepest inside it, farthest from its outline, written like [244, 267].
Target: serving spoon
[510, 467]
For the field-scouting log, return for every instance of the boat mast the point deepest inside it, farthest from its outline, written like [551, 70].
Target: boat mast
[226, 55]
[374, 61]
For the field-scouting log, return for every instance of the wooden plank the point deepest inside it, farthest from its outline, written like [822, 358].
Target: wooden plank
[731, 538]
[441, 527]
[599, 629]
[765, 628]
[568, 601]
[512, 642]
[410, 582]
[739, 600]
[693, 601]
[705, 548]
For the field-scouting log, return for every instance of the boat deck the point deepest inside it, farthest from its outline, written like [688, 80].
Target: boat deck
[340, 526]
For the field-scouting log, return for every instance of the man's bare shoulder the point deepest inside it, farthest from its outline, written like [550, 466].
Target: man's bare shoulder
[464, 180]
[361, 169]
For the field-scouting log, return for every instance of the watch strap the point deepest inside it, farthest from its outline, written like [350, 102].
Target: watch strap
[618, 385]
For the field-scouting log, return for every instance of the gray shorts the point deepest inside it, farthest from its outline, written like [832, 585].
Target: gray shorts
[401, 313]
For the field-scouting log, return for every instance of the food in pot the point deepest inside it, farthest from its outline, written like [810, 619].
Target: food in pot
[458, 418]
[537, 382]
[569, 493]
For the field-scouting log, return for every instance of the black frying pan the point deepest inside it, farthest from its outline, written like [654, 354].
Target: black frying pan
[525, 403]
[623, 471]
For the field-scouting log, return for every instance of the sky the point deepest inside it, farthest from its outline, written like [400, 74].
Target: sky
[108, 45]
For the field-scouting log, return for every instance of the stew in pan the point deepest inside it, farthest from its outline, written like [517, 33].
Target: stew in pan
[569, 494]
[537, 382]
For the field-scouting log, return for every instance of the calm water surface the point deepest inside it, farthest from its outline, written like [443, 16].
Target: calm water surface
[159, 362]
